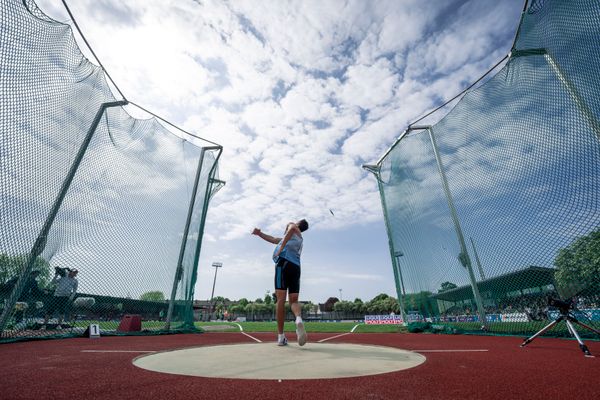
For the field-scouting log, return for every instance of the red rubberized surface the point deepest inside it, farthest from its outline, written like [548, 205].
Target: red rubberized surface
[545, 369]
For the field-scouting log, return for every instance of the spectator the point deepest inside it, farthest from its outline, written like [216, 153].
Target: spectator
[66, 287]
[30, 294]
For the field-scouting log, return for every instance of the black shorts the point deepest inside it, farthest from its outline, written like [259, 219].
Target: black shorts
[287, 276]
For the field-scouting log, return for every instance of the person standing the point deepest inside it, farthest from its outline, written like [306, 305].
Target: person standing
[66, 287]
[287, 275]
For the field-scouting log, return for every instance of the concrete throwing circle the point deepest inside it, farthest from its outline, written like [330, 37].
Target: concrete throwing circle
[269, 361]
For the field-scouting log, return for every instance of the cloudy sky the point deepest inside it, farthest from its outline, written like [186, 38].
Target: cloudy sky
[300, 94]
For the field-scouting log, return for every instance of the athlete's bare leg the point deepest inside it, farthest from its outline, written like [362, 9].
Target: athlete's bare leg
[297, 310]
[296, 307]
[281, 309]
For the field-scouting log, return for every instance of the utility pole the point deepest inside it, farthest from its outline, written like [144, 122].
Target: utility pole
[399, 254]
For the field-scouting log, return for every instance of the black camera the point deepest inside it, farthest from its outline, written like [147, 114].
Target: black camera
[560, 304]
[61, 271]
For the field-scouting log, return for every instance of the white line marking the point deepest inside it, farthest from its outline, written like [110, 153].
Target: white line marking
[251, 337]
[355, 326]
[118, 351]
[244, 333]
[333, 337]
[449, 351]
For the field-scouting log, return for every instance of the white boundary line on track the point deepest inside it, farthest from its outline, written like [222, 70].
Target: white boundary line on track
[449, 351]
[337, 336]
[239, 326]
[244, 333]
[333, 337]
[118, 351]
[251, 337]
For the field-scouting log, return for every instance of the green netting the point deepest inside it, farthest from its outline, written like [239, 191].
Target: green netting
[85, 186]
[495, 208]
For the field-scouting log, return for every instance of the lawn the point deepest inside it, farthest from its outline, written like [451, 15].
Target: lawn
[317, 327]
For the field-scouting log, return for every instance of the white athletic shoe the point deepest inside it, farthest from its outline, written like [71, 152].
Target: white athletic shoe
[301, 333]
[282, 342]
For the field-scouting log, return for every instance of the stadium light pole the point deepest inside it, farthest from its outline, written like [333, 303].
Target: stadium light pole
[340, 294]
[399, 254]
[216, 265]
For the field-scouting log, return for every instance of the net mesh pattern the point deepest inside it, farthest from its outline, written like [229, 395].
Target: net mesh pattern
[120, 221]
[494, 209]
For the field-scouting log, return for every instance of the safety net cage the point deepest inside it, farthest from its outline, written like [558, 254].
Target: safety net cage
[493, 212]
[101, 214]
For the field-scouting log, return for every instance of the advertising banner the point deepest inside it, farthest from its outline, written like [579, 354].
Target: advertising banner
[383, 319]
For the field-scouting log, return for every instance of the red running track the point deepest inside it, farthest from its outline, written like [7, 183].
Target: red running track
[545, 369]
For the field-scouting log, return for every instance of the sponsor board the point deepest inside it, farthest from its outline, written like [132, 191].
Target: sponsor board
[514, 317]
[583, 314]
[383, 320]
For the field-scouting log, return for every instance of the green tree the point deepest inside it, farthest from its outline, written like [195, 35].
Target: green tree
[358, 306]
[236, 309]
[578, 265]
[243, 302]
[381, 296]
[309, 307]
[376, 307]
[343, 306]
[10, 267]
[268, 299]
[445, 286]
[155, 295]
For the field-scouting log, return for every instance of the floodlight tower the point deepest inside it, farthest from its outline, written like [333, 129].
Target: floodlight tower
[216, 265]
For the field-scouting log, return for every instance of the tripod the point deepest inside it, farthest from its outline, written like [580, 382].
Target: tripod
[565, 315]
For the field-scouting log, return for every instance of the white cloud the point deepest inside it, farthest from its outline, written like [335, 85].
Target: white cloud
[299, 93]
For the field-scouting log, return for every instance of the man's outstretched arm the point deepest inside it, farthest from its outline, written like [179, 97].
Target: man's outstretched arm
[264, 236]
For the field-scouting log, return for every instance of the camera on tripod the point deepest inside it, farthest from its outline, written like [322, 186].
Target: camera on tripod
[570, 320]
[61, 271]
[563, 306]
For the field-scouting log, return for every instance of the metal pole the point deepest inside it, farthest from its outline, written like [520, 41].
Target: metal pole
[40, 242]
[179, 269]
[479, 266]
[374, 169]
[207, 196]
[464, 255]
[568, 84]
[217, 265]
[397, 255]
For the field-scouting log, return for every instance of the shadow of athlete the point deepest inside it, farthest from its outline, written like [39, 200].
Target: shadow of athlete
[287, 275]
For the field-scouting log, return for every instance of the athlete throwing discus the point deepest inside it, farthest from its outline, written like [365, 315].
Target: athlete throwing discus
[287, 275]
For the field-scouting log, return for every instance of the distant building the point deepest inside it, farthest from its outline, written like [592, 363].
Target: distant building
[529, 281]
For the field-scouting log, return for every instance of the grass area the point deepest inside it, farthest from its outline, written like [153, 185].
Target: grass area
[317, 327]
[514, 328]
[522, 328]
[113, 325]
